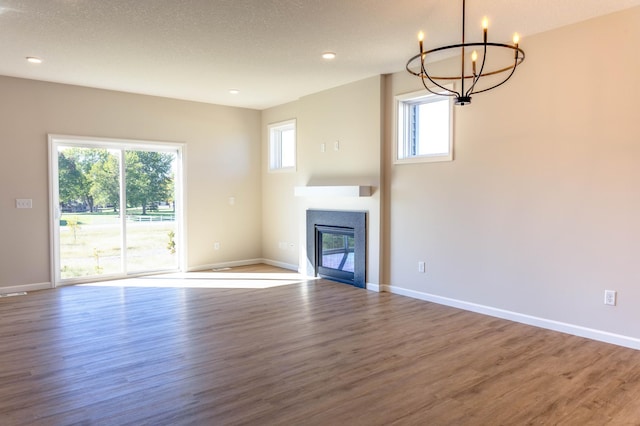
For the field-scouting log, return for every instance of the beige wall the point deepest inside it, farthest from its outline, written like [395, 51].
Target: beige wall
[350, 114]
[222, 160]
[538, 214]
[280, 239]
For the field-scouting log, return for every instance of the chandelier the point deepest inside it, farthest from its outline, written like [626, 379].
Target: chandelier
[468, 78]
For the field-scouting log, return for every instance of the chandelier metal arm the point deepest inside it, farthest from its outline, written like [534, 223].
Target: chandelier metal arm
[477, 76]
[513, 70]
[519, 60]
[424, 74]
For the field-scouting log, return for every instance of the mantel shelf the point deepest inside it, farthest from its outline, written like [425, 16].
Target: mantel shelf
[333, 191]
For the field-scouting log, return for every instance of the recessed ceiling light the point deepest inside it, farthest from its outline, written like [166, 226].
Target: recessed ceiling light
[234, 91]
[34, 60]
[328, 55]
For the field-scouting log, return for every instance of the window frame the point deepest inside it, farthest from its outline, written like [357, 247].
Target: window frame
[275, 152]
[403, 103]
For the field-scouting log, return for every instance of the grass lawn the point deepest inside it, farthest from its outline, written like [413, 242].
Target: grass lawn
[95, 247]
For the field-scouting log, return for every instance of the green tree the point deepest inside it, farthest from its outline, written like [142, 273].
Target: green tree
[105, 181]
[91, 176]
[171, 192]
[149, 177]
[71, 180]
[74, 169]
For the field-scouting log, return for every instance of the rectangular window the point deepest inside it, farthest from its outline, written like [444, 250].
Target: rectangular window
[282, 146]
[424, 123]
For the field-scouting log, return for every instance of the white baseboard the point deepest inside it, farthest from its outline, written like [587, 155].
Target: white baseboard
[25, 287]
[576, 330]
[231, 264]
[282, 265]
[246, 262]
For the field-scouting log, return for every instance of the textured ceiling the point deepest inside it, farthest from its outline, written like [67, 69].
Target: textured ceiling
[268, 49]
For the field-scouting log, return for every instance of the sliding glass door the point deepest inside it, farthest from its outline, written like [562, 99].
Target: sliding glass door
[151, 213]
[116, 208]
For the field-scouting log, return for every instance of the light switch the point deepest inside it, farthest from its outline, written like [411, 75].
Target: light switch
[24, 203]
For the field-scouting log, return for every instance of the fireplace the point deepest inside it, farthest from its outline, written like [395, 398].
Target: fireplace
[336, 245]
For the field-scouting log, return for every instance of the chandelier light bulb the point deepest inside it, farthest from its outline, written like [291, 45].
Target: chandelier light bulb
[485, 23]
[516, 39]
[474, 58]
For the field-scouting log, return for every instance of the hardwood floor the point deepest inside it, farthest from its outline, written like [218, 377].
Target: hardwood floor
[307, 353]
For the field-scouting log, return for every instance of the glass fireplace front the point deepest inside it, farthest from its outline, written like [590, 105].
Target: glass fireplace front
[337, 245]
[335, 253]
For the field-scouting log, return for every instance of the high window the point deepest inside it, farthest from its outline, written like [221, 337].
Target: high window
[282, 146]
[424, 128]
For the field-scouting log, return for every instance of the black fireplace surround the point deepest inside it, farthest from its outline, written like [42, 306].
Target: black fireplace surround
[336, 245]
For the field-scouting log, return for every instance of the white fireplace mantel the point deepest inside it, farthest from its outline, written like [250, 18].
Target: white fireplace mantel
[333, 191]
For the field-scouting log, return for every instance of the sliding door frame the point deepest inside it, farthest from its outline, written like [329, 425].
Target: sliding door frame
[122, 145]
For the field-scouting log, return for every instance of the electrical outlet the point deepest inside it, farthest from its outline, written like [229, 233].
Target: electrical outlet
[421, 266]
[610, 297]
[216, 246]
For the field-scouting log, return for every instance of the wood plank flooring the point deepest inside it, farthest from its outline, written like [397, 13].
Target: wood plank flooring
[308, 353]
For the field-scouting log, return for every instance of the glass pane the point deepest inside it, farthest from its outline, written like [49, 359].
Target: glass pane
[433, 128]
[89, 195]
[273, 151]
[337, 251]
[151, 210]
[288, 148]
